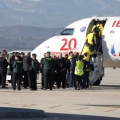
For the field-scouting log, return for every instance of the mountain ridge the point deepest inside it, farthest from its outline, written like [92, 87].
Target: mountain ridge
[54, 13]
[24, 37]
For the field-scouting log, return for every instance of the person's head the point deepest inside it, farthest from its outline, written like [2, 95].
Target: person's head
[71, 53]
[80, 57]
[34, 56]
[28, 54]
[77, 54]
[44, 55]
[48, 54]
[60, 55]
[98, 22]
[66, 55]
[22, 54]
[13, 54]
[4, 52]
[17, 57]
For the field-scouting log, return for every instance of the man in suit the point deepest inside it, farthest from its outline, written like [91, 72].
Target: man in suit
[41, 70]
[3, 70]
[27, 66]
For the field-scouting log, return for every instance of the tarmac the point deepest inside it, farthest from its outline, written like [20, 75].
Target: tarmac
[96, 103]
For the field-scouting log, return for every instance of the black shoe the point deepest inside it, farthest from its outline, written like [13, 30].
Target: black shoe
[14, 88]
[75, 88]
[25, 87]
[44, 89]
[63, 87]
[50, 88]
[5, 87]
[34, 89]
[54, 87]
[83, 87]
[87, 86]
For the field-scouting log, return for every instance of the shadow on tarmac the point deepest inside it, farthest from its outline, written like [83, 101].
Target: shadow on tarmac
[56, 116]
[10, 112]
[105, 87]
[7, 113]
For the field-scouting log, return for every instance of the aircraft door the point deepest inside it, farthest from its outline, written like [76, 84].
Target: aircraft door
[110, 43]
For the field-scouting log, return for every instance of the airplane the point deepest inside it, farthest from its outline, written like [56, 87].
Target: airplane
[72, 38]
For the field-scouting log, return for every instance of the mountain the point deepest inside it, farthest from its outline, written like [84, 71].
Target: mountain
[47, 17]
[54, 13]
[24, 37]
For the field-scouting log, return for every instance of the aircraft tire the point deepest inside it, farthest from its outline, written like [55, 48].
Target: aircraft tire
[97, 83]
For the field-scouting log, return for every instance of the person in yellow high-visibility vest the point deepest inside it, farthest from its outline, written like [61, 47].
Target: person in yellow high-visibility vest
[91, 39]
[87, 56]
[79, 73]
[98, 28]
[88, 52]
[87, 69]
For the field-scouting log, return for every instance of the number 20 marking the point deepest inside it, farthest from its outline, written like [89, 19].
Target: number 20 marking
[67, 44]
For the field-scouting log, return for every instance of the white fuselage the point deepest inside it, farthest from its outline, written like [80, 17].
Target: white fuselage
[72, 38]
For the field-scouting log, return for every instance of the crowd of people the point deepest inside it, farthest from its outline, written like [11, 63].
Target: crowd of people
[56, 72]
[22, 67]
[64, 71]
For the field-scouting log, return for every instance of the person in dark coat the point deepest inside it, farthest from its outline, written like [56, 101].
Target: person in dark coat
[4, 52]
[60, 69]
[72, 69]
[12, 59]
[3, 70]
[35, 70]
[24, 74]
[48, 64]
[17, 72]
[27, 66]
[41, 70]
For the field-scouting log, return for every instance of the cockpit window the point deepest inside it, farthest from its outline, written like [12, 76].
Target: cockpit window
[67, 32]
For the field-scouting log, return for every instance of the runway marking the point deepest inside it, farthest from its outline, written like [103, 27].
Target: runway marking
[33, 104]
[111, 110]
[25, 105]
[29, 105]
[82, 108]
[7, 103]
[55, 106]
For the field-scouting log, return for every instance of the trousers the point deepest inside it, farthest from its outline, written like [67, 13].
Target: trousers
[3, 79]
[61, 78]
[72, 80]
[48, 75]
[17, 77]
[78, 80]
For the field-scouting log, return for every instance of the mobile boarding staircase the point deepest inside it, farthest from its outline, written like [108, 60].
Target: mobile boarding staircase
[96, 75]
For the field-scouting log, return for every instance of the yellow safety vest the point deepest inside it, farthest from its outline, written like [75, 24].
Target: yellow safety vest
[70, 58]
[100, 28]
[89, 53]
[79, 68]
[91, 39]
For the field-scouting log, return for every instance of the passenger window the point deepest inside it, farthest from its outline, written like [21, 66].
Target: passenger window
[67, 32]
